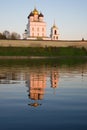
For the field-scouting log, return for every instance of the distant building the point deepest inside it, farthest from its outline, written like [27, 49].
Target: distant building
[54, 33]
[36, 27]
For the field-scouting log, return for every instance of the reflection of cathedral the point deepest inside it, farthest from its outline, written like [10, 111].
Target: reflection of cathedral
[37, 86]
[35, 81]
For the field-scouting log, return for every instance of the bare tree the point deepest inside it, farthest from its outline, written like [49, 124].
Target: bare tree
[15, 35]
[6, 34]
[2, 36]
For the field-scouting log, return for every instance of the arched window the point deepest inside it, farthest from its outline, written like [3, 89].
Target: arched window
[32, 29]
[42, 29]
[43, 34]
[38, 29]
[55, 32]
[38, 34]
[32, 34]
[57, 38]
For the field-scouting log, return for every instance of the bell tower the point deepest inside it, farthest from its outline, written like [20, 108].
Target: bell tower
[54, 32]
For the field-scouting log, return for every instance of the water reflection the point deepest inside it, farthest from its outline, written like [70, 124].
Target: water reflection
[46, 96]
[54, 77]
[36, 78]
[37, 84]
[10, 78]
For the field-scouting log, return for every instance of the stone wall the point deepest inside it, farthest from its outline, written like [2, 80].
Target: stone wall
[29, 43]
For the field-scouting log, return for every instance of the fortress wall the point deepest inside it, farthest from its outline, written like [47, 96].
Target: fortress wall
[27, 43]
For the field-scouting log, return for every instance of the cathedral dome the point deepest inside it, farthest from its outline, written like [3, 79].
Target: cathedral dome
[35, 12]
[31, 14]
[41, 15]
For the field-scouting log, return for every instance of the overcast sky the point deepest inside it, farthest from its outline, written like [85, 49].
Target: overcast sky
[70, 16]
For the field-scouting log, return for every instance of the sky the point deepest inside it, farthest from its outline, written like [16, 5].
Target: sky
[70, 16]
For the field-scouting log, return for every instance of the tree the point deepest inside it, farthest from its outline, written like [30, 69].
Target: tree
[2, 36]
[6, 34]
[15, 36]
[82, 39]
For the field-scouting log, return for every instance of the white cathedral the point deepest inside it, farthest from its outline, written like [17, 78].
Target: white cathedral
[36, 28]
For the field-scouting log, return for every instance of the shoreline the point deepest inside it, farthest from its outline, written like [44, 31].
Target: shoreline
[39, 57]
[41, 53]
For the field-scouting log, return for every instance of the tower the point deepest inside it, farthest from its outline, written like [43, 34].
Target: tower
[54, 32]
[54, 79]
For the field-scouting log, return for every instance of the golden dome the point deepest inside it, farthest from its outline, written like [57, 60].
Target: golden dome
[35, 12]
[34, 104]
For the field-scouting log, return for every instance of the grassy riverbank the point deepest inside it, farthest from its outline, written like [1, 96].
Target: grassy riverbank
[42, 62]
[40, 51]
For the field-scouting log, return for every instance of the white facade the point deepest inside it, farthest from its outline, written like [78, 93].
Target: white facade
[36, 27]
[54, 33]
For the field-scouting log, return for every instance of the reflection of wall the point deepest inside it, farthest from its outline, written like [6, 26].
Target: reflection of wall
[37, 86]
[11, 77]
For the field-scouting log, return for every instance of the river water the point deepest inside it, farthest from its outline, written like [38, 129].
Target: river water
[43, 97]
